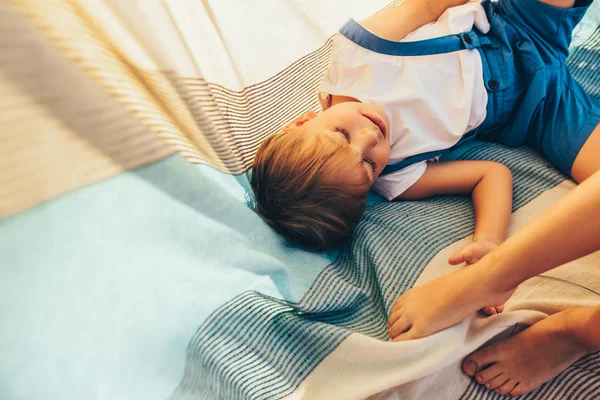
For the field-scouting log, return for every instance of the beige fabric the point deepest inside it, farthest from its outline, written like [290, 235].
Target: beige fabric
[58, 130]
[430, 367]
[87, 85]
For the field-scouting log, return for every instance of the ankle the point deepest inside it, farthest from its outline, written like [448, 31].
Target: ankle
[491, 290]
[579, 328]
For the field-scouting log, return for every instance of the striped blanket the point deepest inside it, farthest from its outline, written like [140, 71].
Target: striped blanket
[160, 281]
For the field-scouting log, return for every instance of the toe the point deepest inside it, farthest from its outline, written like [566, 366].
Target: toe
[496, 382]
[399, 327]
[507, 386]
[469, 367]
[500, 308]
[488, 374]
[398, 304]
[393, 318]
[480, 359]
[521, 388]
[515, 391]
[408, 335]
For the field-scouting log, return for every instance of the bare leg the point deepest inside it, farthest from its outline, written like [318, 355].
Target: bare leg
[524, 362]
[445, 301]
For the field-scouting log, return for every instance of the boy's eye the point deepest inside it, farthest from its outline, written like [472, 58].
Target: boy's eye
[371, 163]
[344, 132]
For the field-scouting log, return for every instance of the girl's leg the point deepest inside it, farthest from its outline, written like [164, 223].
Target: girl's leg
[588, 160]
[524, 362]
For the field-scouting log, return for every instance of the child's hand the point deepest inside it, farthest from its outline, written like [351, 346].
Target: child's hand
[472, 252]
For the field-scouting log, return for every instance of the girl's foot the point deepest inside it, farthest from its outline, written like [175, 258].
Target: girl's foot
[522, 363]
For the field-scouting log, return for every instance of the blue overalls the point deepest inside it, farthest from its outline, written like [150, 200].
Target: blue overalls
[532, 97]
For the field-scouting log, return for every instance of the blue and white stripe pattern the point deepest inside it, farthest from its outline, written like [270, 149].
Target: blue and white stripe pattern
[259, 347]
[584, 61]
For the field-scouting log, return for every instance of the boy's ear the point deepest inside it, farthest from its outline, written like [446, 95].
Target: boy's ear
[299, 121]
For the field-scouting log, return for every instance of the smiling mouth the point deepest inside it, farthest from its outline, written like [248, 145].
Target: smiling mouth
[378, 122]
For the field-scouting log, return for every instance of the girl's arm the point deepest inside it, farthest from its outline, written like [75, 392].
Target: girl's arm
[566, 231]
[397, 22]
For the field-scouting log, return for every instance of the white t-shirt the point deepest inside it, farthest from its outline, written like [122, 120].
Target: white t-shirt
[431, 101]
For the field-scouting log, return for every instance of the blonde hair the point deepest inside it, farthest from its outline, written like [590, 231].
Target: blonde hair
[305, 191]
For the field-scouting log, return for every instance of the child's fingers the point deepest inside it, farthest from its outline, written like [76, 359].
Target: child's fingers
[466, 254]
[457, 258]
[489, 310]
[493, 310]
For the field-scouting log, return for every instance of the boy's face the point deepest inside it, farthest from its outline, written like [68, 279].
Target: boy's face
[362, 127]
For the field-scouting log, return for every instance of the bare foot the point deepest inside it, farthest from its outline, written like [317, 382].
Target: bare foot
[441, 303]
[524, 362]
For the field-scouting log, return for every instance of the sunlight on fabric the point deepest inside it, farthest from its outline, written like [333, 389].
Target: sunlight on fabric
[240, 43]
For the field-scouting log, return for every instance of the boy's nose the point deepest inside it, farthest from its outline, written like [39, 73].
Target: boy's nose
[369, 137]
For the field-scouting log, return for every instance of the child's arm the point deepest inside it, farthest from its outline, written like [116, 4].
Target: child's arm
[490, 185]
[397, 22]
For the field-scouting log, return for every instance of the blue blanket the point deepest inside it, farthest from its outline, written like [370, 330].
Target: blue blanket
[161, 282]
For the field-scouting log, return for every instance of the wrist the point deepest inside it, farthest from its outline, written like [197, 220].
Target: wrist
[489, 287]
[493, 273]
[485, 237]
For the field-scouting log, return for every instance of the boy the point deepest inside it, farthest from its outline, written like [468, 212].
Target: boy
[402, 90]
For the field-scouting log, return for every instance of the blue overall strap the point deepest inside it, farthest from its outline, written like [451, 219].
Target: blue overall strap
[408, 161]
[445, 44]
